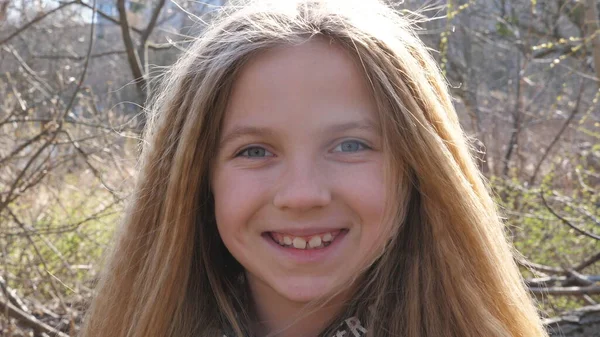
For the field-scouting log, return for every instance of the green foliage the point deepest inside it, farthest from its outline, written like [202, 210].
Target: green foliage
[64, 239]
[543, 238]
[503, 28]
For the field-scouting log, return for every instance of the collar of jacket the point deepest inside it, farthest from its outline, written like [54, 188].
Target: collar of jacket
[350, 327]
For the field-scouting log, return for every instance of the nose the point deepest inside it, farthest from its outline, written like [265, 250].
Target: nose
[302, 187]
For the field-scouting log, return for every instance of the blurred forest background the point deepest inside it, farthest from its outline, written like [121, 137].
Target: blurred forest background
[74, 76]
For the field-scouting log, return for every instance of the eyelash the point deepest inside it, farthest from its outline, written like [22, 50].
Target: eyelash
[246, 149]
[362, 147]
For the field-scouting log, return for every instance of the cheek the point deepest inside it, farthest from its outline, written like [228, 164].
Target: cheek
[363, 190]
[238, 195]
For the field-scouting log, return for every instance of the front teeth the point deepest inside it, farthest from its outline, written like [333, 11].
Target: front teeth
[299, 243]
[314, 242]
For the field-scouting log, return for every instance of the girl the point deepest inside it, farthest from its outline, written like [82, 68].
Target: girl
[305, 175]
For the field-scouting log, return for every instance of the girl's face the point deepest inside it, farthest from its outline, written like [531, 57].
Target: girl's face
[298, 180]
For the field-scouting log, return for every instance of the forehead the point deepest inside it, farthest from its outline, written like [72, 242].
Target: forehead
[317, 80]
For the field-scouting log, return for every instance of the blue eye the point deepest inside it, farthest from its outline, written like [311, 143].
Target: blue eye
[351, 146]
[254, 152]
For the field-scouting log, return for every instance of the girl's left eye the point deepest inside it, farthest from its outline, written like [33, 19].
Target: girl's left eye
[351, 146]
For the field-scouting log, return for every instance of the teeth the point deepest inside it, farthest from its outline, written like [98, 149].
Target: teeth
[314, 242]
[299, 243]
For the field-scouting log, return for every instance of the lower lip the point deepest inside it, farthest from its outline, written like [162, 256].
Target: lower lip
[308, 255]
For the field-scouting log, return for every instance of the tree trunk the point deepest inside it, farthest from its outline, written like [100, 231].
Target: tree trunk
[592, 27]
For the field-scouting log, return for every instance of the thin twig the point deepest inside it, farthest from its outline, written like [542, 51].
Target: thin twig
[4, 203]
[32, 22]
[42, 261]
[12, 297]
[95, 171]
[565, 221]
[559, 134]
[107, 17]
[77, 57]
[24, 145]
[85, 68]
[41, 85]
[30, 321]
[538, 267]
[588, 262]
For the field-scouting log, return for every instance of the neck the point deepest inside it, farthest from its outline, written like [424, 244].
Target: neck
[278, 316]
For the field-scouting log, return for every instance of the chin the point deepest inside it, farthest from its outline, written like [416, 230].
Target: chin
[305, 289]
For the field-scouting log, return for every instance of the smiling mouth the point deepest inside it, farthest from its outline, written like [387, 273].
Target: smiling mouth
[317, 241]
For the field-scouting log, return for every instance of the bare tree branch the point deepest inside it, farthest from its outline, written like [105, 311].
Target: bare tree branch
[575, 279]
[142, 51]
[57, 294]
[118, 128]
[41, 84]
[565, 221]
[29, 320]
[588, 262]
[572, 291]
[94, 170]
[24, 145]
[11, 296]
[559, 133]
[18, 180]
[555, 270]
[108, 17]
[539, 267]
[83, 72]
[132, 56]
[79, 58]
[37, 19]
[517, 114]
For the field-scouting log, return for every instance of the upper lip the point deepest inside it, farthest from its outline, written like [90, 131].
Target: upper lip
[306, 231]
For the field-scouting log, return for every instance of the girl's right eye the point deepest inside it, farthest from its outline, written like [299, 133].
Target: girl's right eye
[254, 152]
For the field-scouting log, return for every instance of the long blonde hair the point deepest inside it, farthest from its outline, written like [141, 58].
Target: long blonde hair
[446, 271]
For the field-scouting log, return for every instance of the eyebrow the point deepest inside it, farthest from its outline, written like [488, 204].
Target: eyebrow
[242, 131]
[366, 125]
